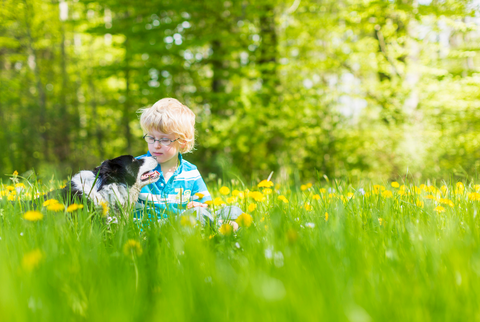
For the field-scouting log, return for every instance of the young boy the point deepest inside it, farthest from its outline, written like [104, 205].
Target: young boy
[169, 130]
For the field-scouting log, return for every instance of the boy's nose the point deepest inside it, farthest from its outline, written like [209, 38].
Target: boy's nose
[157, 145]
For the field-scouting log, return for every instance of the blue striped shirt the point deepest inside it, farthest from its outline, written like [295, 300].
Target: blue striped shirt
[164, 198]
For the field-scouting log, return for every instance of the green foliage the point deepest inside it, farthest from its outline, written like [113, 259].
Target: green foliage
[353, 89]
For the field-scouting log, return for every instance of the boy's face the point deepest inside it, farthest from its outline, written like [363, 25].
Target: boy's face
[164, 154]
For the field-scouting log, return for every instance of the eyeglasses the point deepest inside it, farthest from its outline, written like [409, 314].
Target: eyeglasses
[162, 141]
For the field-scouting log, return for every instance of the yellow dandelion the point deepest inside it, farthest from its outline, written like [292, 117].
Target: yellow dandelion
[32, 259]
[257, 196]
[309, 185]
[322, 190]
[446, 202]
[236, 193]
[444, 189]
[378, 188]
[11, 197]
[50, 202]
[350, 195]
[57, 207]
[74, 207]
[15, 173]
[231, 200]
[188, 221]
[132, 247]
[282, 198]
[303, 187]
[316, 197]
[381, 221]
[226, 229]
[265, 184]
[20, 185]
[267, 191]
[477, 187]
[420, 203]
[208, 202]
[474, 196]
[200, 195]
[439, 209]
[104, 208]
[33, 215]
[218, 201]
[224, 190]
[244, 220]
[430, 197]
[387, 194]
[395, 184]
[326, 216]
[307, 206]
[251, 207]
[10, 188]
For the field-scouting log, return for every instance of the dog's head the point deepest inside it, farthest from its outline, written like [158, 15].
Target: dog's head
[129, 171]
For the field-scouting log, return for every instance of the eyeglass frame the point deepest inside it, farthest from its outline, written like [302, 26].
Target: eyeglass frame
[159, 141]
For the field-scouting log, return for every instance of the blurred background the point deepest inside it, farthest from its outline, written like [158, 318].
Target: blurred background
[352, 89]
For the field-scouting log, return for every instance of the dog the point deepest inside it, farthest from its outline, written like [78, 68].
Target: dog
[116, 182]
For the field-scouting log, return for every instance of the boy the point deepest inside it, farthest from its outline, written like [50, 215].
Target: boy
[169, 130]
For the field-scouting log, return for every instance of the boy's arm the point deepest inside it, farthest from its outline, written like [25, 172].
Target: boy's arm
[199, 194]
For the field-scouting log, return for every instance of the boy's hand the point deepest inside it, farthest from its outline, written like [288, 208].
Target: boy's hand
[193, 204]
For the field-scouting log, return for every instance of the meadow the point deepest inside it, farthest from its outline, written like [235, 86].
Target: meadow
[396, 251]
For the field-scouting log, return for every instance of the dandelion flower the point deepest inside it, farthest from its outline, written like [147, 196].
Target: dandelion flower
[477, 187]
[244, 220]
[474, 196]
[381, 221]
[256, 195]
[226, 229]
[303, 187]
[316, 197]
[104, 208]
[308, 207]
[395, 184]
[236, 193]
[208, 202]
[33, 215]
[419, 203]
[15, 173]
[31, 260]
[265, 184]
[50, 202]
[267, 191]
[200, 195]
[430, 197]
[57, 207]
[132, 247]
[387, 194]
[282, 198]
[322, 190]
[231, 199]
[252, 207]
[326, 216]
[439, 209]
[224, 190]
[218, 201]
[74, 207]
[10, 188]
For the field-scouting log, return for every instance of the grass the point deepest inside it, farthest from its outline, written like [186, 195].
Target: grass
[378, 257]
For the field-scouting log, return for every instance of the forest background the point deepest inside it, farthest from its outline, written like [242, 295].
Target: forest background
[348, 89]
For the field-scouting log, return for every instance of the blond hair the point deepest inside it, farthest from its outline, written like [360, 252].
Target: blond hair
[168, 115]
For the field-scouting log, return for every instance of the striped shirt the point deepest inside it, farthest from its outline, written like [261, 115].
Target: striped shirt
[162, 198]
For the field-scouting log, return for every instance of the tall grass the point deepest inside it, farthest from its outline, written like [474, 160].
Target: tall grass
[377, 256]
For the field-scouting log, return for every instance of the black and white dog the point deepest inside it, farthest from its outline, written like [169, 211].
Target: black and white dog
[115, 182]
